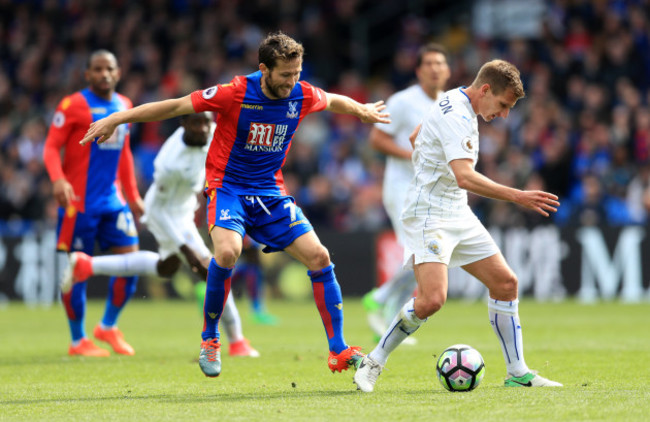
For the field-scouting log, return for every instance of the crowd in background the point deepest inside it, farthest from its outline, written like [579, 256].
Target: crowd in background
[582, 132]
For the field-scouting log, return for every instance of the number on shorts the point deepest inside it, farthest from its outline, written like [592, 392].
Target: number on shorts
[292, 210]
[125, 223]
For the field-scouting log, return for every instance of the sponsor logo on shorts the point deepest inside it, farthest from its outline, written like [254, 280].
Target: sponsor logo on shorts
[78, 244]
[295, 223]
[225, 215]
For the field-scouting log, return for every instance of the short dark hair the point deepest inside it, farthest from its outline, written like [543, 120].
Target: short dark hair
[184, 118]
[431, 47]
[500, 75]
[100, 52]
[279, 46]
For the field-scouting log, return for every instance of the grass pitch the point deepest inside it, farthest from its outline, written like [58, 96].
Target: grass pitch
[601, 353]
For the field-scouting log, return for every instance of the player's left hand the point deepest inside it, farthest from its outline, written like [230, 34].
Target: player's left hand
[539, 201]
[101, 130]
[373, 113]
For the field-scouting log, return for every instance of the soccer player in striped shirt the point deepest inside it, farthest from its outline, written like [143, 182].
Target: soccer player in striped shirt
[258, 115]
[90, 185]
[170, 204]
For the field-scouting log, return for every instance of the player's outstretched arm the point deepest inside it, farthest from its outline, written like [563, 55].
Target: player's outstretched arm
[103, 129]
[367, 113]
[472, 181]
[384, 143]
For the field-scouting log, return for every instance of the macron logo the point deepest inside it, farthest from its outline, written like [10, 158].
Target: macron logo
[225, 215]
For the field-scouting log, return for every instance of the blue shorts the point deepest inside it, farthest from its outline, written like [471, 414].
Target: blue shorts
[77, 231]
[274, 221]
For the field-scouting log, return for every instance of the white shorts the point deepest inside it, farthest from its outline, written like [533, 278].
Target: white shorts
[394, 198]
[454, 243]
[167, 246]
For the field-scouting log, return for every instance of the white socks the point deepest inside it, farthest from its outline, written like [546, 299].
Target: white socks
[231, 321]
[504, 317]
[404, 324]
[403, 278]
[132, 263]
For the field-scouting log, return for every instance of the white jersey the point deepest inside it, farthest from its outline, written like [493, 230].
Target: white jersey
[179, 175]
[449, 132]
[407, 108]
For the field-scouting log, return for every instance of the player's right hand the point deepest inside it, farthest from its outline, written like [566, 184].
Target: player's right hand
[101, 130]
[63, 192]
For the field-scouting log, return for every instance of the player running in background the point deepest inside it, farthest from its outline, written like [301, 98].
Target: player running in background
[258, 115]
[88, 185]
[407, 109]
[170, 204]
[249, 271]
[442, 231]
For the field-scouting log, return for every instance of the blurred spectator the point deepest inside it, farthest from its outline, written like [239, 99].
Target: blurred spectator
[583, 130]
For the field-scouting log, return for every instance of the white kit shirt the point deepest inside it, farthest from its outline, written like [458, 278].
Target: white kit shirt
[449, 132]
[179, 175]
[407, 108]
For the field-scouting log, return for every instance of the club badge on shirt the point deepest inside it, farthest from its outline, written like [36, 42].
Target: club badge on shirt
[293, 112]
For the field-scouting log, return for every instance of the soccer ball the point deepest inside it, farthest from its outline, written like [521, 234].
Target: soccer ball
[460, 368]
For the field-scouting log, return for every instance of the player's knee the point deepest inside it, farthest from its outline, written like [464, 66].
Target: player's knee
[168, 266]
[226, 258]
[429, 305]
[506, 289]
[320, 258]
[510, 285]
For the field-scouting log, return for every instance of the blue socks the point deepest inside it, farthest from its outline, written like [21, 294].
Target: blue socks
[120, 290]
[75, 308]
[327, 294]
[216, 294]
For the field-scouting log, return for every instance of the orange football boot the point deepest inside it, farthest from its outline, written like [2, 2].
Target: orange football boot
[242, 348]
[86, 347]
[115, 338]
[345, 359]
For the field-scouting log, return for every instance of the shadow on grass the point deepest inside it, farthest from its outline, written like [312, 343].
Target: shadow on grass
[191, 398]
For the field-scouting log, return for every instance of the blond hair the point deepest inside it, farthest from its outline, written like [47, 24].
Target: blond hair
[500, 75]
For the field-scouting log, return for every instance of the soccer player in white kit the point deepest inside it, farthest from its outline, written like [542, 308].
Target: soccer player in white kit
[170, 204]
[442, 231]
[407, 108]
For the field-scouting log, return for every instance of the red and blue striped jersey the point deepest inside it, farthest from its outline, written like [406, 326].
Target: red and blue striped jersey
[97, 172]
[253, 133]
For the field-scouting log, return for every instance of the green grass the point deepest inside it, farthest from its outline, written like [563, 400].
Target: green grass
[600, 352]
